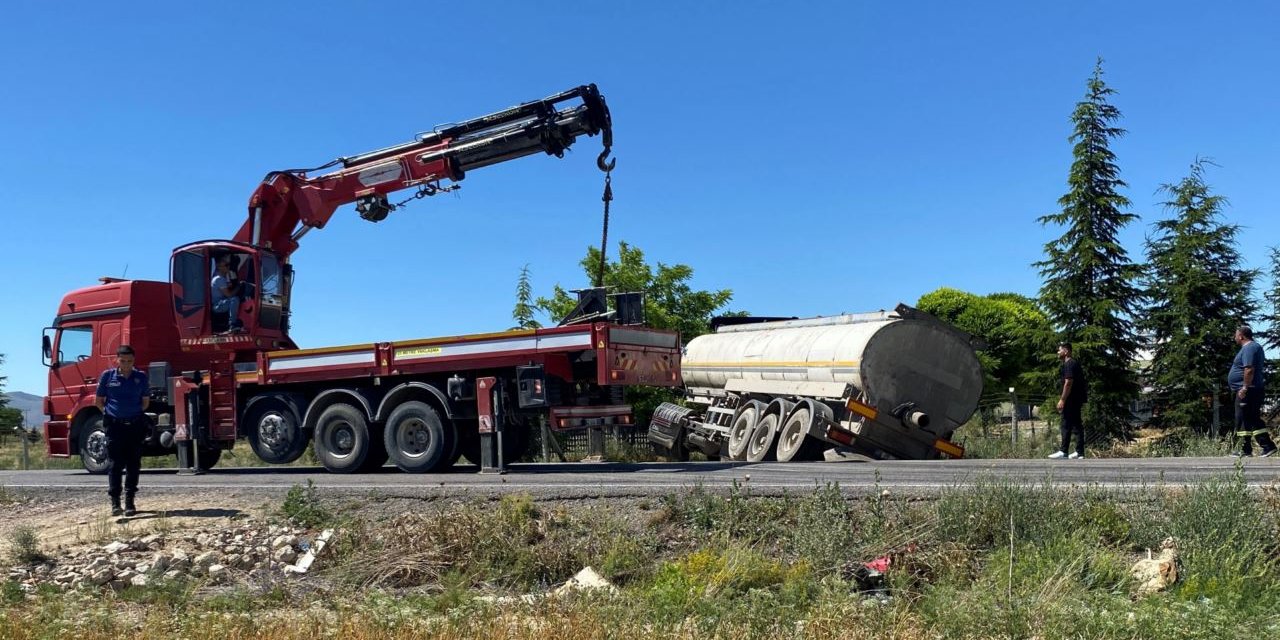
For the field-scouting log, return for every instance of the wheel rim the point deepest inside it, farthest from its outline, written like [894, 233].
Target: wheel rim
[413, 438]
[762, 437]
[273, 431]
[793, 433]
[740, 434]
[340, 439]
[96, 445]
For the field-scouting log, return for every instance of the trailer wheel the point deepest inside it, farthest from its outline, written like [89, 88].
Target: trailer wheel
[342, 438]
[93, 446]
[417, 440]
[275, 433]
[744, 423]
[794, 442]
[761, 445]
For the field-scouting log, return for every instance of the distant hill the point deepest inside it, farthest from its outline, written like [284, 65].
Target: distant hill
[29, 405]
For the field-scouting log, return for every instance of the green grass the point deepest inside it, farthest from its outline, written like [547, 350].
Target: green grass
[991, 560]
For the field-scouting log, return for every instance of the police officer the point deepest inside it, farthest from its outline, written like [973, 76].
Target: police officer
[123, 397]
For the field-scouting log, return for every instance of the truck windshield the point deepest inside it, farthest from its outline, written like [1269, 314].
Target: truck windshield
[75, 344]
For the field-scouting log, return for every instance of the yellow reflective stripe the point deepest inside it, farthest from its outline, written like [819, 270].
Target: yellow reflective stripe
[1255, 432]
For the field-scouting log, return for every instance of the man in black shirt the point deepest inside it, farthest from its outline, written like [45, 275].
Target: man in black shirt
[1075, 390]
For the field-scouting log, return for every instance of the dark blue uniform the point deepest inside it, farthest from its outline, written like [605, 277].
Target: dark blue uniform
[126, 427]
[1249, 423]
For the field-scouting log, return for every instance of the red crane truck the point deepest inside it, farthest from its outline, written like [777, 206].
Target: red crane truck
[218, 376]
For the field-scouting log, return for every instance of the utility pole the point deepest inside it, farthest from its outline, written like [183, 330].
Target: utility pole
[1013, 415]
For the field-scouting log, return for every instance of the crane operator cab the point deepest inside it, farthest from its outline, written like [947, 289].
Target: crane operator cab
[230, 296]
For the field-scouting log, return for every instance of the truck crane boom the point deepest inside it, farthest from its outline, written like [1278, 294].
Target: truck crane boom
[289, 203]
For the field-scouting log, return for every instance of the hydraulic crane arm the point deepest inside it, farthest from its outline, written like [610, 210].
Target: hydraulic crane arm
[288, 203]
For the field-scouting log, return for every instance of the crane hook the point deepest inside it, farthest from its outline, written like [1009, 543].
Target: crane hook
[601, 161]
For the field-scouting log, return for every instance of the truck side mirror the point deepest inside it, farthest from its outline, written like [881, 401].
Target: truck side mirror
[47, 350]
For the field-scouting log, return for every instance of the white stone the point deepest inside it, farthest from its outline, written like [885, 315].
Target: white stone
[139, 581]
[206, 559]
[115, 547]
[285, 555]
[217, 572]
[586, 579]
[172, 574]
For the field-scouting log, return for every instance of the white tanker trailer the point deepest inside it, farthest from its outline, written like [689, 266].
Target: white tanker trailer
[885, 384]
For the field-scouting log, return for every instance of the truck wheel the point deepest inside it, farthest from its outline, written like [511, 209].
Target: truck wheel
[761, 445]
[275, 432]
[209, 457]
[744, 423]
[342, 438]
[93, 446]
[417, 440]
[794, 442]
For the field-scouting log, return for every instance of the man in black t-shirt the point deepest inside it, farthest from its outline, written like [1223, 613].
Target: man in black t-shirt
[1075, 390]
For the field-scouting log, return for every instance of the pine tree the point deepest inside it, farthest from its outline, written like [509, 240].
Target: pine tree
[1268, 331]
[524, 309]
[1090, 288]
[1198, 293]
[1268, 334]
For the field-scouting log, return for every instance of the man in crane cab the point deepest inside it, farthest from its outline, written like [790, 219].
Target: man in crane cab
[226, 295]
[123, 396]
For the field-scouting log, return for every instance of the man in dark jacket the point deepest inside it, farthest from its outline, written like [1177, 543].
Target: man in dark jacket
[123, 396]
[1074, 392]
[1247, 380]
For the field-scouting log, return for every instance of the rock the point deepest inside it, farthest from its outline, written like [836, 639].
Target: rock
[139, 580]
[159, 563]
[100, 577]
[587, 579]
[173, 574]
[125, 576]
[230, 560]
[154, 538]
[115, 547]
[1159, 573]
[285, 555]
[284, 541]
[217, 572]
[117, 585]
[143, 567]
[206, 559]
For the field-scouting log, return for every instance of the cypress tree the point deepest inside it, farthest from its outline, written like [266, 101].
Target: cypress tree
[1090, 289]
[1198, 293]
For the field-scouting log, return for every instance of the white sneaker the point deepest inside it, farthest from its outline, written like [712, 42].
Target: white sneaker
[1057, 454]
[1073, 456]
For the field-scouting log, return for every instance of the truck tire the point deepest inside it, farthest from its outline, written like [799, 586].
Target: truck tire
[417, 440]
[209, 457]
[761, 445]
[740, 429]
[342, 438]
[794, 442]
[274, 431]
[93, 446]
[377, 452]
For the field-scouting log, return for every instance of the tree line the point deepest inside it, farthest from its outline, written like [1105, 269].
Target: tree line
[1180, 304]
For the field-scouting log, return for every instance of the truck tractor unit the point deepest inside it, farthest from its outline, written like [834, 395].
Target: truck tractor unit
[222, 374]
[887, 385]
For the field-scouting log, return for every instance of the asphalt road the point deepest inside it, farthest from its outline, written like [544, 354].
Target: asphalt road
[589, 480]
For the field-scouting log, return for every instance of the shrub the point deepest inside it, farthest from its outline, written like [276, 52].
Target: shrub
[302, 505]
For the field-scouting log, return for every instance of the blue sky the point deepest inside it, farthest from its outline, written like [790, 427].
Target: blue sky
[812, 157]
